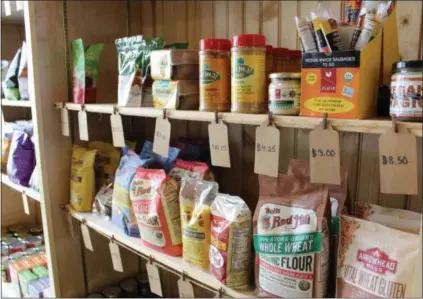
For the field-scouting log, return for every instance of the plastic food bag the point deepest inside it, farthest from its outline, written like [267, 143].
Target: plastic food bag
[156, 161]
[183, 169]
[103, 201]
[21, 160]
[23, 74]
[155, 199]
[82, 181]
[196, 196]
[34, 181]
[106, 162]
[10, 83]
[230, 249]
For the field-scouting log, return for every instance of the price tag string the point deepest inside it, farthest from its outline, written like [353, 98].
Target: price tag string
[394, 123]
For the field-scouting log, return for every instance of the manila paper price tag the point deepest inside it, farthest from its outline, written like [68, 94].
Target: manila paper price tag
[219, 145]
[161, 137]
[25, 203]
[398, 162]
[64, 115]
[266, 158]
[116, 258]
[325, 161]
[154, 279]
[70, 225]
[83, 125]
[86, 237]
[186, 289]
[117, 130]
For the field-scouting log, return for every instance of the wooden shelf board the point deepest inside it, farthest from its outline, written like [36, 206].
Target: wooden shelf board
[30, 192]
[345, 125]
[9, 103]
[105, 227]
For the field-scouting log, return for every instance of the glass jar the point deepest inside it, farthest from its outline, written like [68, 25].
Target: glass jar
[285, 93]
[406, 90]
[248, 73]
[215, 70]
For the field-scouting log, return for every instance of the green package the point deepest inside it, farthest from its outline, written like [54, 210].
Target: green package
[25, 277]
[10, 83]
[78, 76]
[40, 271]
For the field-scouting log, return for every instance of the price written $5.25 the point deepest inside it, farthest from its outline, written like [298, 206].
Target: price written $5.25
[220, 147]
[266, 148]
[390, 160]
[160, 135]
[319, 152]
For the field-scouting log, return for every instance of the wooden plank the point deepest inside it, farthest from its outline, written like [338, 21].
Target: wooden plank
[252, 16]
[206, 20]
[170, 21]
[414, 203]
[220, 19]
[180, 10]
[10, 103]
[158, 18]
[20, 189]
[147, 18]
[270, 22]
[288, 34]
[193, 24]
[134, 12]
[409, 20]
[236, 18]
[11, 41]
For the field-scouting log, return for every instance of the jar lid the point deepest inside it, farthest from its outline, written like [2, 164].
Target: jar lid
[269, 50]
[280, 52]
[285, 76]
[407, 64]
[218, 44]
[249, 40]
[297, 54]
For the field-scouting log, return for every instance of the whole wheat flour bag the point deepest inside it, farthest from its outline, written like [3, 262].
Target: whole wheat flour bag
[291, 238]
[106, 162]
[230, 249]
[375, 261]
[155, 200]
[82, 179]
[407, 221]
[196, 196]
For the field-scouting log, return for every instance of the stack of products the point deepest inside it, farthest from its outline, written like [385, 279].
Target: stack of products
[15, 81]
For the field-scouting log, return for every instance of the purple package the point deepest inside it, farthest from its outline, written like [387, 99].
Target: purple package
[21, 161]
[36, 287]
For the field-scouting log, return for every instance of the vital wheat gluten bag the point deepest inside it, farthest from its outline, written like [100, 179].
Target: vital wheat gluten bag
[82, 179]
[155, 200]
[230, 249]
[407, 221]
[291, 238]
[375, 261]
[196, 196]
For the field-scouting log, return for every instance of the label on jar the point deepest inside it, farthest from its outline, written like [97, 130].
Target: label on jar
[214, 81]
[285, 98]
[406, 96]
[248, 71]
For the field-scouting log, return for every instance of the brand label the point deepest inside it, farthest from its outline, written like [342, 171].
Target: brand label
[208, 76]
[406, 96]
[241, 70]
[377, 261]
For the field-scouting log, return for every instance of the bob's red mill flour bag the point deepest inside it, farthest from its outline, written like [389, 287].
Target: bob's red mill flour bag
[291, 238]
[375, 261]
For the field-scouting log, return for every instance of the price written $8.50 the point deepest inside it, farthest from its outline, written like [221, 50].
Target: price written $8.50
[390, 160]
[319, 152]
[266, 148]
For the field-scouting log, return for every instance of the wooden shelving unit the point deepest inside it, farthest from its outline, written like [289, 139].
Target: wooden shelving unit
[9, 103]
[21, 189]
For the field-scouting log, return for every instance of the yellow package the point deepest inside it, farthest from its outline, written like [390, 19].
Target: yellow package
[196, 196]
[5, 147]
[82, 178]
[106, 162]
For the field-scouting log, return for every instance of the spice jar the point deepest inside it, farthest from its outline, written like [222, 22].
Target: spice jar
[406, 90]
[248, 73]
[295, 57]
[285, 93]
[214, 74]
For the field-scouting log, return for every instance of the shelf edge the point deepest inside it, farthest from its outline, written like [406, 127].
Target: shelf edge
[18, 188]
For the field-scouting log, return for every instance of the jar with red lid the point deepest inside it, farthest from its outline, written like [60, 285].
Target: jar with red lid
[281, 60]
[295, 57]
[269, 65]
[248, 70]
[215, 74]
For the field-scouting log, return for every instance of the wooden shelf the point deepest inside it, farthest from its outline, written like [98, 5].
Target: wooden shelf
[9, 103]
[300, 122]
[105, 227]
[28, 191]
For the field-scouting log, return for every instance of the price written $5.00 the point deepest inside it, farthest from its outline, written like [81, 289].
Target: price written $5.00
[266, 148]
[220, 147]
[390, 160]
[318, 152]
[160, 135]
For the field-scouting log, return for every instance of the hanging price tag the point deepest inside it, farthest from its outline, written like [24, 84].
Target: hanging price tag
[266, 159]
[116, 259]
[161, 137]
[86, 237]
[154, 279]
[325, 163]
[25, 203]
[117, 130]
[70, 225]
[64, 114]
[398, 162]
[83, 125]
[186, 289]
[219, 145]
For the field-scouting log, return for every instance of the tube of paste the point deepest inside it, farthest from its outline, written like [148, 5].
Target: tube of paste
[355, 8]
[329, 27]
[358, 29]
[305, 32]
[373, 21]
[347, 11]
[318, 33]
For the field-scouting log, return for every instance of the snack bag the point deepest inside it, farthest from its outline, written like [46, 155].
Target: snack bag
[78, 77]
[122, 212]
[106, 162]
[291, 238]
[155, 199]
[82, 179]
[10, 83]
[103, 201]
[92, 60]
[196, 196]
[403, 220]
[23, 74]
[190, 169]
[230, 249]
[375, 261]
[156, 161]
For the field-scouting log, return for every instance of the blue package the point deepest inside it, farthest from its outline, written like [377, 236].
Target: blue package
[36, 287]
[153, 159]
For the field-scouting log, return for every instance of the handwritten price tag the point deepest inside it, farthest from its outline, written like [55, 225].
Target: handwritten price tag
[25, 203]
[86, 237]
[83, 125]
[154, 279]
[219, 145]
[117, 130]
[116, 259]
[398, 162]
[185, 289]
[325, 162]
[64, 116]
[161, 137]
[266, 159]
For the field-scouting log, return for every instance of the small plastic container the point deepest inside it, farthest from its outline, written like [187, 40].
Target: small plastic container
[248, 70]
[285, 93]
[215, 67]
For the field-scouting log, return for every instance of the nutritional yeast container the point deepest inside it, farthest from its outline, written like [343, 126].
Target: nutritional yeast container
[285, 93]
[248, 73]
[215, 70]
